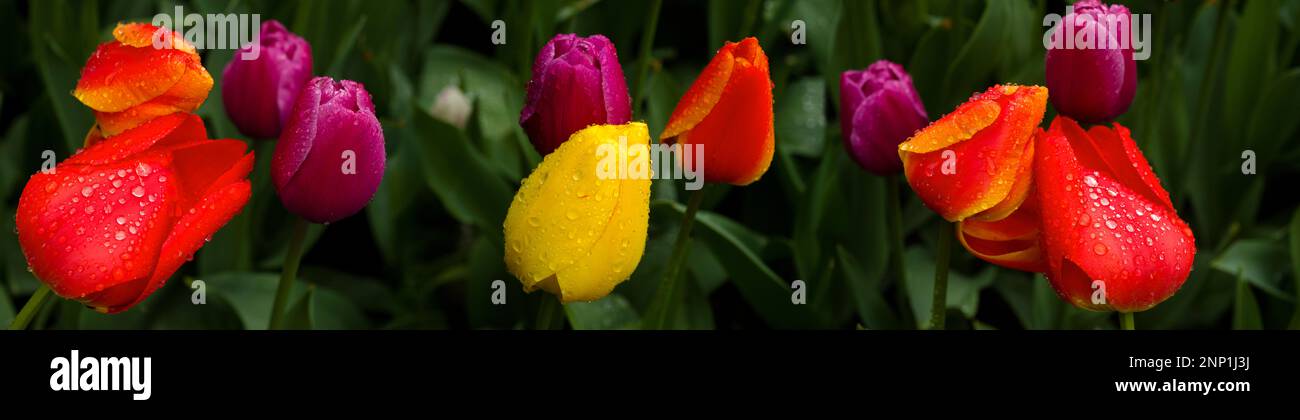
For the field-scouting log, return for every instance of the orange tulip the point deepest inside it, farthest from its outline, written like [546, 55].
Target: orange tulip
[976, 161]
[729, 111]
[128, 81]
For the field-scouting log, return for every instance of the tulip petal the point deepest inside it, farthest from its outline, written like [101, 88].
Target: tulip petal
[987, 139]
[569, 231]
[1103, 225]
[167, 131]
[191, 231]
[1011, 242]
[738, 135]
[87, 229]
[703, 95]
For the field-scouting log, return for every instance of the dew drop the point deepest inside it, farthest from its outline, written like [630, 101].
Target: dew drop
[1099, 248]
[138, 191]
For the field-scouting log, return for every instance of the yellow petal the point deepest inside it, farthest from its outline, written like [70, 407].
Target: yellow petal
[572, 232]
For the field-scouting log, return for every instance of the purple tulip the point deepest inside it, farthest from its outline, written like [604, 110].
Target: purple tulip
[879, 109]
[259, 93]
[576, 82]
[1097, 83]
[330, 157]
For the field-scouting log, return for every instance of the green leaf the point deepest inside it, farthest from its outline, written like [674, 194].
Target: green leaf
[1260, 262]
[872, 308]
[1245, 315]
[1294, 235]
[7, 310]
[983, 51]
[299, 315]
[963, 291]
[250, 294]
[1272, 123]
[857, 41]
[344, 48]
[611, 312]
[736, 248]
[59, 48]
[801, 117]
[461, 178]
[1252, 60]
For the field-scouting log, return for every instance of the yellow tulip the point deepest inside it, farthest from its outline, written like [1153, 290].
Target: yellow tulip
[573, 230]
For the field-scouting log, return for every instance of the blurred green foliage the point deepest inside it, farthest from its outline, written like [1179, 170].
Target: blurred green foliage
[1224, 77]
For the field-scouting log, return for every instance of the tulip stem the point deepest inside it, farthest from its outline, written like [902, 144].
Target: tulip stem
[288, 273]
[667, 295]
[939, 303]
[1126, 321]
[30, 309]
[547, 312]
[895, 209]
[643, 64]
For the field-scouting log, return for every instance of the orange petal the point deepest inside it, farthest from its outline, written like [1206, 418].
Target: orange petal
[729, 111]
[973, 159]
[129, 71]
[1011, 242]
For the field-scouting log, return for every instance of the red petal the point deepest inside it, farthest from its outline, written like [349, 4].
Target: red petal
[87, 229]
[1100, 224]
[193, 230]
[1011, 242]
[735, 122]
[157, 134]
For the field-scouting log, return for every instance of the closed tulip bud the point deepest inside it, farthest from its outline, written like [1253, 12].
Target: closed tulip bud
[330, 157]
[976, 161]
[259, 94]
[112, 223]
[575, 232]
[128, 81]
[452, 107]
[1092, 83]
[577, 82]
[729, 110]
[879, 109]
[1106, 218]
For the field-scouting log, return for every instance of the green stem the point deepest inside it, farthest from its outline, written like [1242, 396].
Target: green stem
[547, 313]
[939, 303]
[895, 209]
[667, 295]
[1126, 321]
[643, 63]
[289, 272]
[30, 309]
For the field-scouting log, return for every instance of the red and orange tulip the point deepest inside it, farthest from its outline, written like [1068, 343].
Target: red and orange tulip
[729, 110]
[975, 161]
[128, 81]
[1081, 206]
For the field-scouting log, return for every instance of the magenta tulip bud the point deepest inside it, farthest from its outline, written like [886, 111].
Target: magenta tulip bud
[259, 93]
[576, 82]
[330, 157]
[1092, 81]
[879, 109]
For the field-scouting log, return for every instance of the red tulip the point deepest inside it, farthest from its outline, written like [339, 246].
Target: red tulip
[1105, 218]
[111, 223]
[729, 110]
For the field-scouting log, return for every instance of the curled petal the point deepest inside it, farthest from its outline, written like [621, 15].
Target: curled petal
[969, 161]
